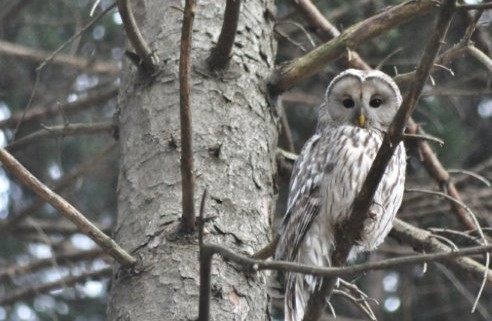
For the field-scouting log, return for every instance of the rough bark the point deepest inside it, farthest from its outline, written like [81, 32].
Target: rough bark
[234, 141]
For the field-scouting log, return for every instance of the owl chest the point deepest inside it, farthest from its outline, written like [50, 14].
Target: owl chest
[352, 157]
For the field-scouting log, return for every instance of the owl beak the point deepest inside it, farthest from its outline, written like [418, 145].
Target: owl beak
[361, 120]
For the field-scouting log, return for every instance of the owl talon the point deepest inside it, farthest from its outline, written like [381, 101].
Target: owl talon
[372, 215]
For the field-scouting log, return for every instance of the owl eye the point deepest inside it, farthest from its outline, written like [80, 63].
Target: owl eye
[348, 103]
[375, 102]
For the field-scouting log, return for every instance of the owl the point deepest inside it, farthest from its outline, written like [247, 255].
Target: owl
[358, 108]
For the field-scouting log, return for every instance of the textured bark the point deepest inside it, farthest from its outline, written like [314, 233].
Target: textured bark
[234, 141]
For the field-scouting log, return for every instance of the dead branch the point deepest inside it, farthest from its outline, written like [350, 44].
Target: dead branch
[84, 64]
[440, 175]
[55, 227]
[66, 258]
[149, 60]
[220, 55]
[24, 294]
[59, 186]
[36, 113]
[326, 31]
[56, 53]
[188, 177]
[423, 241]
[442, 255]
[307, 65]
[67, 210]
[61, 131]
[478, 6]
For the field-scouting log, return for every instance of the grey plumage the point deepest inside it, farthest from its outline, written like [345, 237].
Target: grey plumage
[329, 173]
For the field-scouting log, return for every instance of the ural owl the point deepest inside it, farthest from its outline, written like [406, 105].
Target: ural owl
[329, 173]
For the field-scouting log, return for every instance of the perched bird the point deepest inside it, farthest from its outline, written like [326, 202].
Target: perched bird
[329, 173]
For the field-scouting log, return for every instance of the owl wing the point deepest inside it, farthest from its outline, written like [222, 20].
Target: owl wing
[304, 202]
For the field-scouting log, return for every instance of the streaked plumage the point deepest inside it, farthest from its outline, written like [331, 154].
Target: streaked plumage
[329, 174]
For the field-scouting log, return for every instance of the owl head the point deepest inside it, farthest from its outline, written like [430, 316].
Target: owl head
[367, 99]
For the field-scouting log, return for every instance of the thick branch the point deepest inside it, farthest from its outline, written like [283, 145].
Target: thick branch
[221, 53]
[66, 209]
[187, 175]
[314, 61]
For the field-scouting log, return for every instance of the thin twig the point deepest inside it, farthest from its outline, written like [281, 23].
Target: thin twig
[481, 57]
[333, 272]
[433, 139]
[205, 268]
[423, 241]
[50, 226]
[476, 223]
[66, 209]
[285, 128]
[75, 36]
[36, 113]
[478, 177]
[64, 258]
[220, 55]
[148, 60]
[188, 177]
[463, 290]
[439, 174]
[61, 131]
[24, 294]
[37, 55]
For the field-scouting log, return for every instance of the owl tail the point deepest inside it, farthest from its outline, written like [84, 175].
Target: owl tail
[276, 291]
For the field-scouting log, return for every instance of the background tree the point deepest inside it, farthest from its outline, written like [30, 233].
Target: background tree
[66, 114]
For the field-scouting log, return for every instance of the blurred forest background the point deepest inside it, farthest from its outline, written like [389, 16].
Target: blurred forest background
[50, 271]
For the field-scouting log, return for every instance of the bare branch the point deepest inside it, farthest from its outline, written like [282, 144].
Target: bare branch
[478, 6]
[67, 210]
[36, 113]
[55, 53]
[439, 174]
[24, 294]
[64, 182]
[61, 131]
[312, 62]
[15, 270]
[148, 60]
[10, 49]
[188, 177]
[56, 227]
[476, 176]
[325, 30]
[422, 240]
[221, 53]
[481, 57]
[443, 255]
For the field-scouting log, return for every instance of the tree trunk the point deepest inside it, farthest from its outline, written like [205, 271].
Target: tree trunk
[234, 142]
